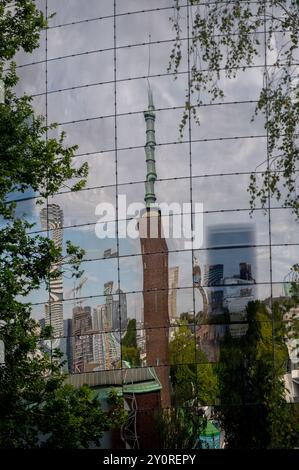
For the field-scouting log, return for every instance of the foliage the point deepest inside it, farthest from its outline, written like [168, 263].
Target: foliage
[225, 39]
[193, 386]
[131, 355]
[36, 407]
[130, 351]
[191, 373]
[130, 338]
[180, 427]
[20, 26]
[253, 411]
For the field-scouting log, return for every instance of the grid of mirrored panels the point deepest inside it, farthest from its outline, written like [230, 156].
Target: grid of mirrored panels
[163, 320]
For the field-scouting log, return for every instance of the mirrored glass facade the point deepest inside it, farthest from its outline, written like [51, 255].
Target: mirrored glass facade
[158, 318]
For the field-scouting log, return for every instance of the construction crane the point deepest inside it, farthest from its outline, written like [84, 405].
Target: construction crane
[76, 291]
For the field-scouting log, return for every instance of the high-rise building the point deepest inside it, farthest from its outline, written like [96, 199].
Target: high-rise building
[98, 318]
[173, 283]
[213, 275]
[105, 343]
[82, 346]
[231, 258]
[245, 271]
[119, 311]
[51, 218]
[155, 268]
[108, 288]
[98, 339]
[68, 339]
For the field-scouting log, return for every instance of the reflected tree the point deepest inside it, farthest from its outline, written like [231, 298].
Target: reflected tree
[225, 39]
[194, 386]
[253, 411]
[130, 351]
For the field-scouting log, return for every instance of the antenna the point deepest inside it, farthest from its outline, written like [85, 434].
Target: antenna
[149, 59]
[149, 54]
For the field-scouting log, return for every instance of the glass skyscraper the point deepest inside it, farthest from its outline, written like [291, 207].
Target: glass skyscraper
[101, 73]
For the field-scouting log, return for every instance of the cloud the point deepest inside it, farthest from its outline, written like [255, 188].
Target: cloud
[225, 158]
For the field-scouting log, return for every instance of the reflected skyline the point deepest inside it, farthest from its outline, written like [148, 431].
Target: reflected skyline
[150, 316]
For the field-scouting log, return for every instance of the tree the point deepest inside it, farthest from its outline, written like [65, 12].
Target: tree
[129, 350]
[225, 38]
[224, 41]
[253, 411]
[36, 407]
[20, 26]
[191, 373]
[194, 385]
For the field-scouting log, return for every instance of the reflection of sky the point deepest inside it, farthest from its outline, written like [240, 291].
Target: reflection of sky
[241, 149]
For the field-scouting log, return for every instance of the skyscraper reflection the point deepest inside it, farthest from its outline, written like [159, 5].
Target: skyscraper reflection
[51, 218]
[228, 283]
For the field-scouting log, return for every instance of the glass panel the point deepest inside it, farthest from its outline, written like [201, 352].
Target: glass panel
[182, 260]
[228, 156]
[91, 136]
[174, 193]
[137, 5]
[127, 160]
[283, 258]
[37, 296]
[173, 161]
[246, 86]
[284, 193]
[182, 349]
[73, 10]
[232, 264]
[167, 129]
[208, 342]
[39, 105]
[79, 208]
[176, 232]
[104, 310]
[156, 347]
[226, 304]
[27, 209]
[91, 352]
[208, 386]
[80, 70]
[32, 79]
[101, 168]
[80, 38]
[183, 381]
[133, 94]
[146, 422]
[38, 313]
[237, 227]
[131, 268]
[98, 276]
[221, 192]
[37, 55]
[133, 61]
[229, 120]
[135, 29]
[67, 106]
[280, 219]
[171, 196]
[279, 46]
[86, 238]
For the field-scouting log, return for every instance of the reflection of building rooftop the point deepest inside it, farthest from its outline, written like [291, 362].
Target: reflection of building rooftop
[141, 390]
[110, 254]
[234, 280]
[130, 380]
